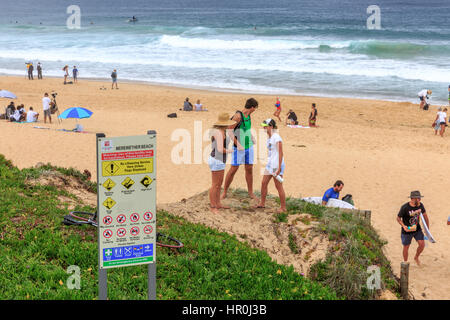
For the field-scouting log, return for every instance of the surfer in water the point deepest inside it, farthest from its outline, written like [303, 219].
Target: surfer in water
[408, 217]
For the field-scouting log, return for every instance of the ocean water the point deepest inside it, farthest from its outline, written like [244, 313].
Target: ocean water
[308, 47]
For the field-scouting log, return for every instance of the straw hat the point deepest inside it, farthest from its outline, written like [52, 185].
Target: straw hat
[224, 120]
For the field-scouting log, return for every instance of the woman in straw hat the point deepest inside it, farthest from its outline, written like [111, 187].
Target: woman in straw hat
[218, 158]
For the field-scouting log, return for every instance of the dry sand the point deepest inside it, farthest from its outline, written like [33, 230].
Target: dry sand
[381, 150]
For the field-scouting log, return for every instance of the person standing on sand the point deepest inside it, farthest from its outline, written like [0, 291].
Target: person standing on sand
[440, 122]
[242, 138]
[114, 79]
[39, 70]
[313, 116]
[46, 107]
[218, 158]
[30, 72]
[66, 74]
[436, 125]
[275, 165]
[278, 111]
[408, 218]
[75, 74]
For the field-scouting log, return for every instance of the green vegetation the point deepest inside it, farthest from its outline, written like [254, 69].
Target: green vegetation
[358, 246]
[36, 249]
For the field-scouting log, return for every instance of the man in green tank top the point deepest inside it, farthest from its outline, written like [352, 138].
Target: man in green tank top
[243, 147]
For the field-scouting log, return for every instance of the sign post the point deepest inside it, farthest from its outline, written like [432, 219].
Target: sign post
[126, 205]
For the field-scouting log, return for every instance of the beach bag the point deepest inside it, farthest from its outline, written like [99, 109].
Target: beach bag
[426, 106]
[349, 199]
[172, 115]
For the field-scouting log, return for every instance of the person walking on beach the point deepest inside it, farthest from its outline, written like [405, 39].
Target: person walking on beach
[46, 107]
[275, 165]
[39, 70]
[30, 72]
[440, 122]
[278, 111]
[66, 74]
[313, 116]
[218, 158]
[332, 193]
[114, 79]
[242, 138]
[424, 95]
[408, 218]
[75, 74]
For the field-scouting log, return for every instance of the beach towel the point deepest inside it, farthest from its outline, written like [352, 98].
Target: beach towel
[297, 126]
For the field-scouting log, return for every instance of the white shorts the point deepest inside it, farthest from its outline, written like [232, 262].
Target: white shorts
[270, 171]
[215, 165]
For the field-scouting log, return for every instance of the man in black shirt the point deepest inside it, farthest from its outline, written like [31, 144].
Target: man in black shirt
[408, 217]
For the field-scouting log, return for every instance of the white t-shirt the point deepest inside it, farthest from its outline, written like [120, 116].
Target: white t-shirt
[16, 115]
[423, 93]
[31, 116]
[273, 157]
[46, 103]
[198, 106]
[442, 116]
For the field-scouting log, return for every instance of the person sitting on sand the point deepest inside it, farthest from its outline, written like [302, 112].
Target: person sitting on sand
[32, 116]
[408, 217]
[199, 106]
[423, 97]
[218, 158]
[332, 193]
[15, 116]
[187, 106]
[291, 118]
[313, 116]
[23, 114]
[10, 110]
[275, 165]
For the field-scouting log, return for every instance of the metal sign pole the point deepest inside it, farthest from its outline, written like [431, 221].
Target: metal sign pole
[126, 206]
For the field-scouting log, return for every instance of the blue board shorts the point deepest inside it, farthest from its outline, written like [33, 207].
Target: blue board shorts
[242, 156]
[407, 237]
[215, 165]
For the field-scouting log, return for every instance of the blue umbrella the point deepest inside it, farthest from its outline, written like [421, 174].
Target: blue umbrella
[7, 94]
[76, 113]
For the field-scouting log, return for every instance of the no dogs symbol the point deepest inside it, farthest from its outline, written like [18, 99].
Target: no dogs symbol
[134, 231]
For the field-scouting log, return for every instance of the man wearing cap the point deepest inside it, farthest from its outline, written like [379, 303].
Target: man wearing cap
[408, 217]
[242, 139]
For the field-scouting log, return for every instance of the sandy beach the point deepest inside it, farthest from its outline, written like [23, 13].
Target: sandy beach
[381, 150]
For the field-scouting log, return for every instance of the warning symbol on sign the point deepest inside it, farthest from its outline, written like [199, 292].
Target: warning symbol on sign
[148, 229]
[109, 203]
[148, 216]
[110, 168]
[109, 184]
[127, 183]
[121, 218]
[121, 232]
[146, 181]
[134, 231]
[134, 217]
[107, 220]
[107, 233]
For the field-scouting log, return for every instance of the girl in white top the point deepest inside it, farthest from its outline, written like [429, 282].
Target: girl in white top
[441, 120]
[275, 165]
[199, 106]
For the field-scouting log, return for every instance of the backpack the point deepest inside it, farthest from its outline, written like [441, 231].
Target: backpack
[349, 199]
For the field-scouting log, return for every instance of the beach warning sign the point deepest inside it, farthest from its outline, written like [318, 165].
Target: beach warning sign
[126, 177]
